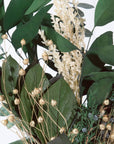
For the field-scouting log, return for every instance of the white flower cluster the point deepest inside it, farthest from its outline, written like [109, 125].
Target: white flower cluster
[70, 25]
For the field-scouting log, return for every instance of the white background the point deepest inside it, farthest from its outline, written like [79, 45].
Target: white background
[7, 136]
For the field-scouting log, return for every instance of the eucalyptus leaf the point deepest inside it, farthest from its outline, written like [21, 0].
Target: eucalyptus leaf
[30, 29]
[33, 80]
[2, 12]
[66, 105]
[85, 5]
[61, 139]
[99, 91]
[62, 44]
[4, 111]
[36, 5]
[10, 70]
[15, 12]
[104, 12]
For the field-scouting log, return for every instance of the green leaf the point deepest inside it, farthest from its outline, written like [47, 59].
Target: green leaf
[37, 4]
[61, 139]
[15, 12]
[91, 62]
[99, 91]
[10, 70]
[2, 12]
[29, 30]
[4, 111]
[95, 76]
[1, 40]
[88, 33]
[32, 80]
[85, 5]
[62, 44]
[66, 104]
[104, 12]
[18, 142]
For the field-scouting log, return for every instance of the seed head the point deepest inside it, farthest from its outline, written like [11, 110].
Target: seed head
[22, 72]
[106, 102]
[102, 127]
[41, 102]
[1, 98]
[108, 127]
[75, 131]
[25, 61]
[15, 91]
[4, 36]
[62, 130]
[53, 103]
[23, 42]
[32, 123]
[11, 118]
[4, 122]
[16, 101]
[40, 119]
[105, 118]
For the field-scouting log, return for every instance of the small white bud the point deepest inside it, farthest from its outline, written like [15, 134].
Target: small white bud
[112, 136]
[22, 72]
[41, 102]
[15, 91]
[1, 98]
[25, 61]
[16, 101]
[75, 131]
[23, 42]
[40, 119]
[45, 56]
[4, 122]
[102, 127]
[105, 118]
[62, 130]
[108, 127]
[32, 123]
[50, 42]
[11, 118]
[106, 102]
[53, 103]
[52, 138]
[4, 36]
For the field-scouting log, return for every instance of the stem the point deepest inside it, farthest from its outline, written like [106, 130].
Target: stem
[90, 39]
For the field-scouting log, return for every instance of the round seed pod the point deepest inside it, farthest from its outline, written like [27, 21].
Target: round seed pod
[53, 103]
[40, 119]
[4, 36]
[32, 123]
[22, 72]
[108, 127]
[4, 122]
[15, 91]
[23, 42]
[1, 98]
[105, 118]
[16, 101]
[102, 127]
[26, 61]
[106, 102]
[11, 118]
[75, 131]
[62, 130]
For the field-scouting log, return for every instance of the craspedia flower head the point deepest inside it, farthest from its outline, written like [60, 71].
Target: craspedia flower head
[16, 101]
[15, 91]
[4, 122]
[102, 127]
[53, 102]
[4, 36]
[106, 102]
[32, 123]
[105, 118]
[62, 130]
[22, 72]
[40, 119]
[108, 127]
[41, 101]
[75, 131]
[11, 118]
[26, 61]
[23, 42]
[2, 98]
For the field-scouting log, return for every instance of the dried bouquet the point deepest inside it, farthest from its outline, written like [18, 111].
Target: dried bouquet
[47, 109]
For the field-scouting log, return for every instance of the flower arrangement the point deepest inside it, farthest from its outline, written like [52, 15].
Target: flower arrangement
[46, 109]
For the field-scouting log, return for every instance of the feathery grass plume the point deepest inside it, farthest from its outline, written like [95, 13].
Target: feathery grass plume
[70, 25]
